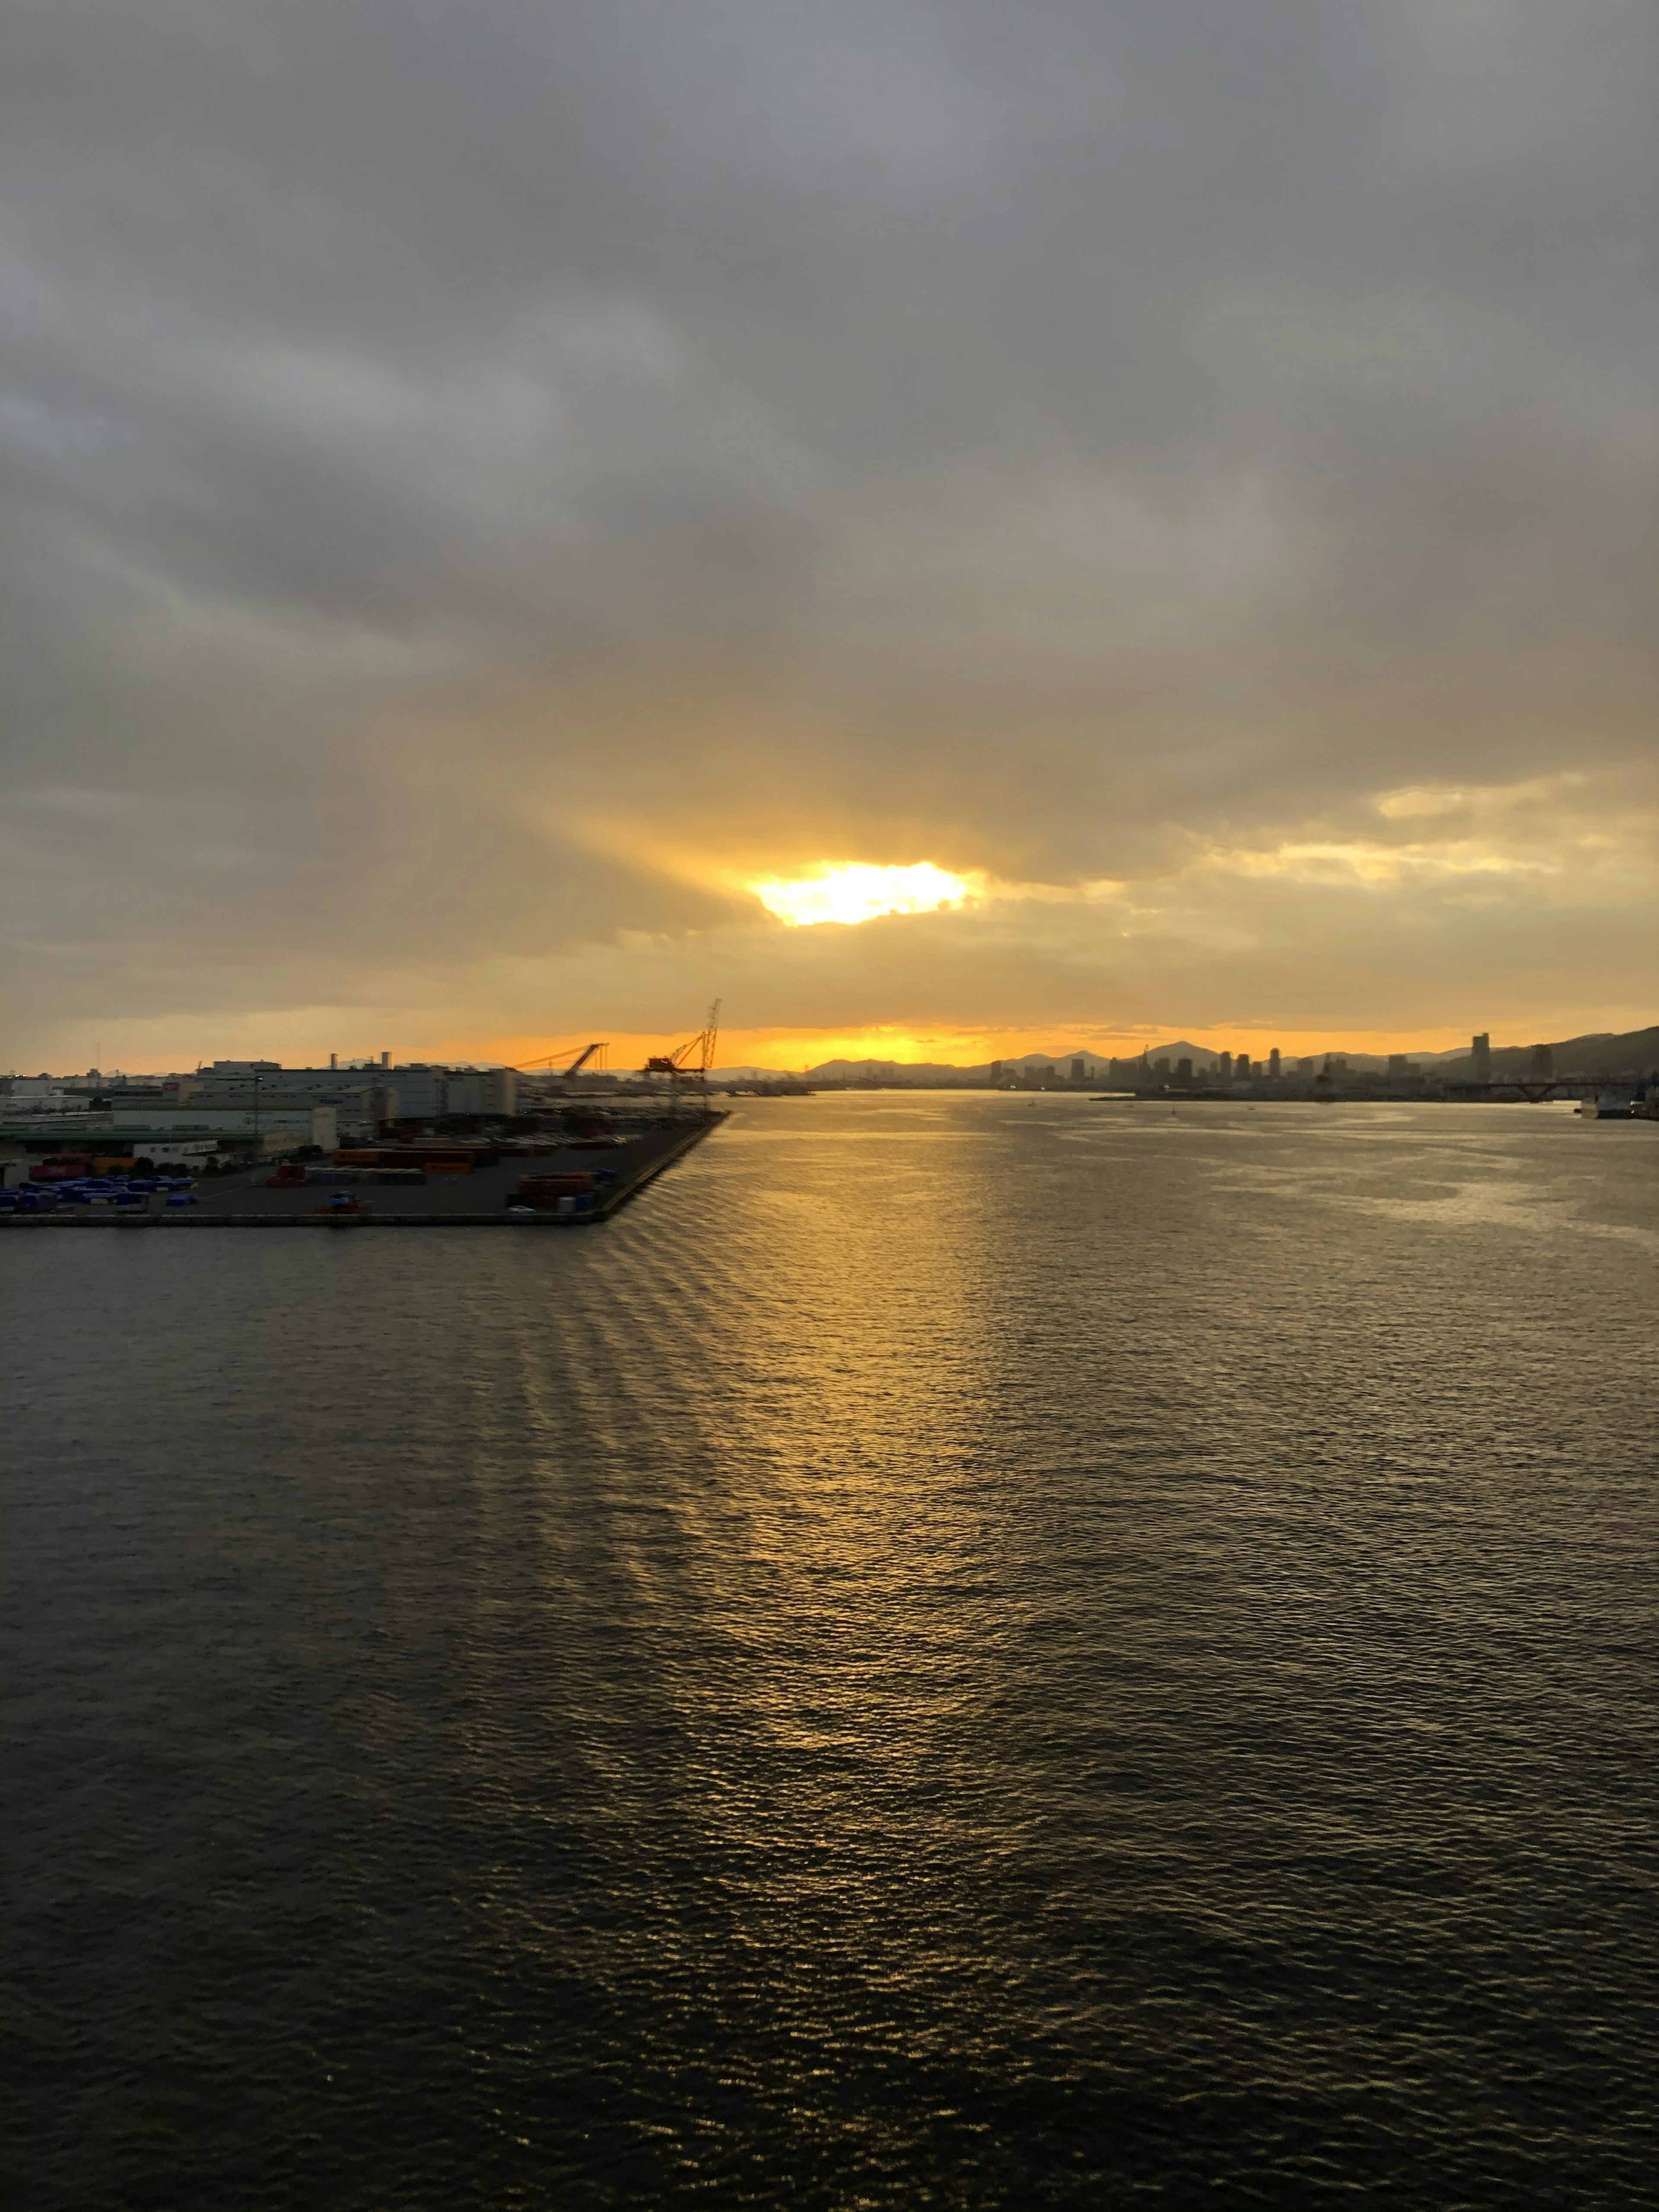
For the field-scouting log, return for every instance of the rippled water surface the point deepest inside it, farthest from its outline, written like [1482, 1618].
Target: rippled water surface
[963, 1651]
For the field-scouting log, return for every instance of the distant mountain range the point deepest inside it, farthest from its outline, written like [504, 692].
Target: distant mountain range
[1602, 1052]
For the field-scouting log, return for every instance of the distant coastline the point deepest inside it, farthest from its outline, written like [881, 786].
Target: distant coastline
[1596, 1052]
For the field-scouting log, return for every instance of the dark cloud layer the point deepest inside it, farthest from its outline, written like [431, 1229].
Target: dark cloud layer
[485, 479]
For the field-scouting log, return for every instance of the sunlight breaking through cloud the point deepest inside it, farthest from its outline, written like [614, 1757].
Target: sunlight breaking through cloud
[857, 891]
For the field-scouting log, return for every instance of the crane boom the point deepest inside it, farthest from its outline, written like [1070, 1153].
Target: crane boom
[694, 1057]
[548, 1059]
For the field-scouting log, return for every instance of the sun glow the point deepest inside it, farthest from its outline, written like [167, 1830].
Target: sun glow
[856, 891]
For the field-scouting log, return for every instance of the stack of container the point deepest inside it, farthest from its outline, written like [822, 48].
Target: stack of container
[438, 1157]
[569, 1192]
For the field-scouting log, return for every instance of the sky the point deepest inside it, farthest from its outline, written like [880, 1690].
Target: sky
[511, 503]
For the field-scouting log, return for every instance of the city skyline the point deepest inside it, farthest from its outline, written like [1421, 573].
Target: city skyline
[625, 1056]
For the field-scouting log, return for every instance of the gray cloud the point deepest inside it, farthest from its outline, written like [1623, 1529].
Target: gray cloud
[1052, 441]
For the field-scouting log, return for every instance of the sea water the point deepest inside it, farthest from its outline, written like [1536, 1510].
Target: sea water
[964, 1651]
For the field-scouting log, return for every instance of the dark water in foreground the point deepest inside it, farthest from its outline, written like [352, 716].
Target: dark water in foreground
[960, 1653]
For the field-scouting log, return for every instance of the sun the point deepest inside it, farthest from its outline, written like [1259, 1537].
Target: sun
[854, 890]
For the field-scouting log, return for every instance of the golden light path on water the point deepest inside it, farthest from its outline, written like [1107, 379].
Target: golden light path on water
[857, 890]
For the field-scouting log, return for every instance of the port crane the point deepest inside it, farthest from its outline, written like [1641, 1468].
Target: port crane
[693, 1059]
[551, 1058]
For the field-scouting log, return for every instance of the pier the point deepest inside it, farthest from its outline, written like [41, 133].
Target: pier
[482, 1199]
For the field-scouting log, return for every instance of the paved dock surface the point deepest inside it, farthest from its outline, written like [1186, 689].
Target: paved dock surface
[479, 1199]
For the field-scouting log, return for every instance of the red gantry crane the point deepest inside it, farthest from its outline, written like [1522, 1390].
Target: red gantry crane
[694, 1058]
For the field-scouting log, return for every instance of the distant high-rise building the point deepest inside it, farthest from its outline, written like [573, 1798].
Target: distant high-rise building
[1223, 1068]
[1183, 1071]
[1543, 1061]
[996, 1071]
[1077, 1071]
[1274, 1070]
[1242, 1066]
[1480, 1054]
[1160, 1069]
